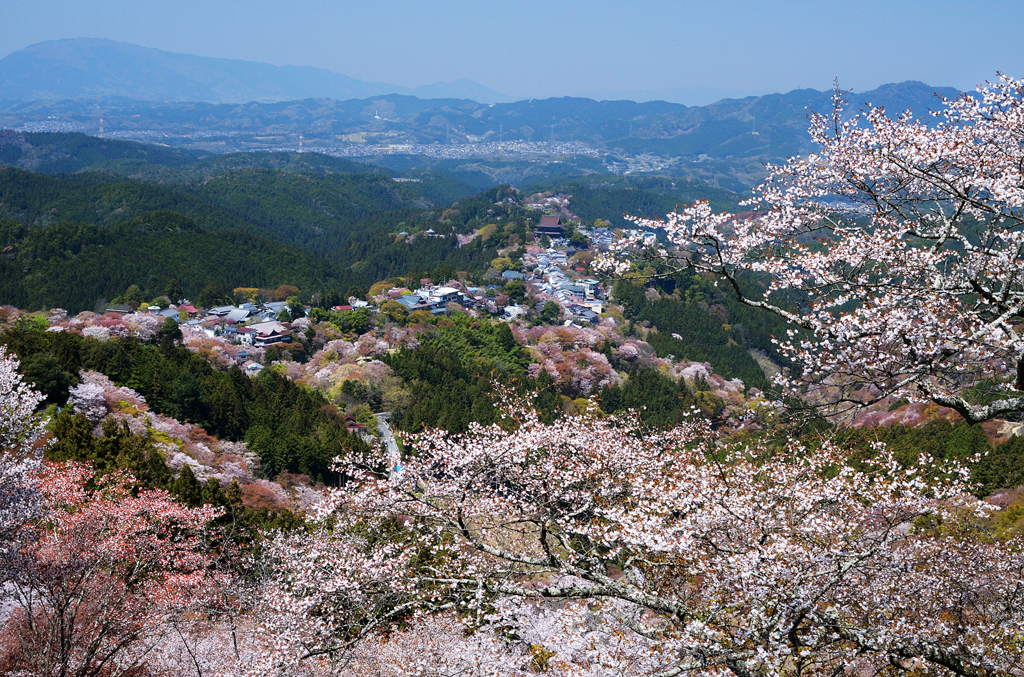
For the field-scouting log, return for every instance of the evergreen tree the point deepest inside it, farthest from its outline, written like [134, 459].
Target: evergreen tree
[212, 493]
[506, 338]
[133, 296]
[170, 329]
[211, 296]
[173, 291]
[187, 488]
[548, 401]
[233, 494]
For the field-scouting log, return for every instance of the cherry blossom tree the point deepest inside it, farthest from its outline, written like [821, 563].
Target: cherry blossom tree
[20, 433]
[610, 549]
[100, 578]
[895, 251]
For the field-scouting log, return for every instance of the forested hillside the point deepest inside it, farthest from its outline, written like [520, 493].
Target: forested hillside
[703, 323]
[75, 265]
[289, 427]
[611, 197]
[65, 153]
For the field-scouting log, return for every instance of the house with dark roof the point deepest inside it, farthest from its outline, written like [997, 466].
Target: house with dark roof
[171, 313]
[583, 314]
[238, 315]
[550, 226]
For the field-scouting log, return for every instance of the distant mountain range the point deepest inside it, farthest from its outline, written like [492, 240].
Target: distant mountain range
[222, 105]
[727, 142]
[87, 68]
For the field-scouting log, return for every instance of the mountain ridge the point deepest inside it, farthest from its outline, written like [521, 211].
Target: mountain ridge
[87, 68]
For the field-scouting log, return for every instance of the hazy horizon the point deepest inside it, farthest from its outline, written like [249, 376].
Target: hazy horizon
[689, 53]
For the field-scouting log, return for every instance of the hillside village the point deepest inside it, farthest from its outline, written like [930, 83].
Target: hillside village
[547, 277]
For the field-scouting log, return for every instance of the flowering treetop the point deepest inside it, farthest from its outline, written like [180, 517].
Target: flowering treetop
[636, 553]
[898, 247]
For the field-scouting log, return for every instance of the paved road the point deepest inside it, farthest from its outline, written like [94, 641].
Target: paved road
[389, 439]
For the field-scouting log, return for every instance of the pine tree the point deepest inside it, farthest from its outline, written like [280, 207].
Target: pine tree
[212, 494]
[173, 291]
[187, 488]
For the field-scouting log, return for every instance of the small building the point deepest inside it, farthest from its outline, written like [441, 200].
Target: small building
[510, 275]
[413, 302]
[587, 316]
[171, 313]
[264, 334]
[353, 426]
[275, 306]
[444, 295]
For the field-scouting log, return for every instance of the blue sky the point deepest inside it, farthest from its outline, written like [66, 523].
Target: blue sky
[538, 49]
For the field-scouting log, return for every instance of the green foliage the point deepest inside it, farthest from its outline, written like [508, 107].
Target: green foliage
[578, 240]
[170, 330]
[661, 401]
[451, 373]
[394, 311]
[63, 153]
[608, 197]
[211, 296]
[173, 291]
[516, 291]
[117, 449]
[547, 401]
[45, 373]
[551, 313]
[187, 488]
[72, 265]
[992, 468]
[224, 231]
[356, 321]
[1002, 468]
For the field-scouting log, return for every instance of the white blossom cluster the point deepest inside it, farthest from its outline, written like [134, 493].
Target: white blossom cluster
[20, 431]
[894, 252]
